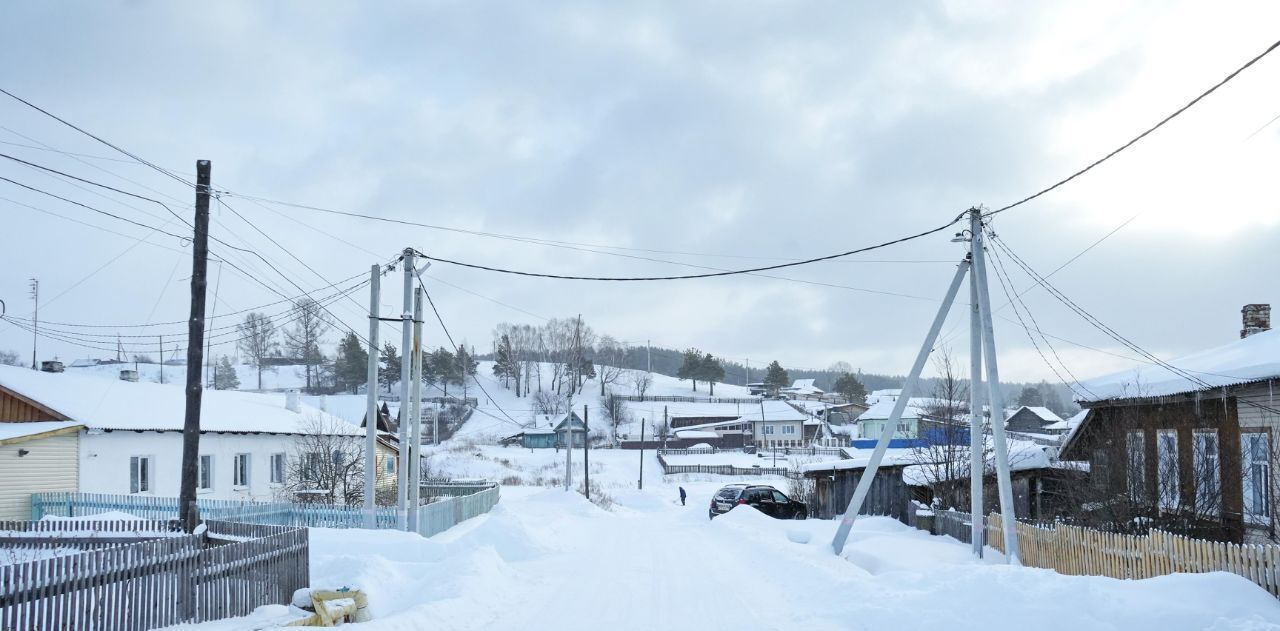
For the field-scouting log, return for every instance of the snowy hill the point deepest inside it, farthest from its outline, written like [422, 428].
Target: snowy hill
[501, 414]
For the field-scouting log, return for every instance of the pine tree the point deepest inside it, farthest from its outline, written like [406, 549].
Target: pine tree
[390, 366]
[351, 365]
[224, 375]
[775, 376]
[850, 388]
[466, 366]
[1031, 397]
[691, 367]
[444, 367]
[711, 371]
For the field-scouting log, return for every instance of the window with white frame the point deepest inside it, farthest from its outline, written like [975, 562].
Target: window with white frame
[1167, 469]
[240, 471]
[768, 429]
[140, 471]
[390, 464]
[1136, 466]
[277, 468]
[788, 429]
[1255, 464]
[204, 473]
[1208, 473]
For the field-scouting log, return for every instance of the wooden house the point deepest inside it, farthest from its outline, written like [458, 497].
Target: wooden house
[36, 457]
[1032, 420]
[1191, 444]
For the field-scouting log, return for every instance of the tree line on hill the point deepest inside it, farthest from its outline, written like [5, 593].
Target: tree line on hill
[264, 345]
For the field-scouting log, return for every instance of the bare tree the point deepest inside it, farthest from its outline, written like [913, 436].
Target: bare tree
[326, 464]
[548, 402]
[944, 458]
[640, 382]
[615, 412]
[257, 341]
[302, 340]
[10, 358]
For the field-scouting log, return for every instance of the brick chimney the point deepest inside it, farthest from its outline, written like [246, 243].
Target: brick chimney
[1255, 319]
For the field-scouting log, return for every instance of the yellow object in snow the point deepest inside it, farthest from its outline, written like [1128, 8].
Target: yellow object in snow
[334, 607]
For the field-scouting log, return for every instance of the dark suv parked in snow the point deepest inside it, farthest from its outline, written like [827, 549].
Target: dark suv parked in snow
[764, 498]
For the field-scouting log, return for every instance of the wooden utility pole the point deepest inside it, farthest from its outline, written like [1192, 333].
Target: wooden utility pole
[188, 514]
[586, 463]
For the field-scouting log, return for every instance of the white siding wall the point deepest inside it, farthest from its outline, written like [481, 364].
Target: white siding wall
[49, 467]
[778, 438]
[104, 462]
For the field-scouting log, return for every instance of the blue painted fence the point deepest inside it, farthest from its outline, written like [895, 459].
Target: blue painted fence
[434, 517]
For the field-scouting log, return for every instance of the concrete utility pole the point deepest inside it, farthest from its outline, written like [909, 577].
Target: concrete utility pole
[161, 344]
[188, 514]
[586, 458]
[568, 419]
[415, 431]
[886, 434]
[977, 465]
[371, 402]
[995, 398]
[35, 329]
[208, 351]
[406, 371]
[641, 485]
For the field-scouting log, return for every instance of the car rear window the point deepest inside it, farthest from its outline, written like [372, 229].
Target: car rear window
[727, 494]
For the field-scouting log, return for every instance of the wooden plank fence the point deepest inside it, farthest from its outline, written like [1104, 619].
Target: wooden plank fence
[1084, 551]
[158, 582]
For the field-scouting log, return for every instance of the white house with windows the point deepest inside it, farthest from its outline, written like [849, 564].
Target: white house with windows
[871, 423]
[130, 434]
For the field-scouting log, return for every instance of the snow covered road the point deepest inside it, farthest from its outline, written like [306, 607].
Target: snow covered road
[545, 559]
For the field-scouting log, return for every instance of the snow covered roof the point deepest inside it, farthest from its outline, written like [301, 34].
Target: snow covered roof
[1253, 358]
[802, 386]
[10, 431]
[1023, 456]
[695, 434]
[892, 458]
[1044, 414]
[1069, 424]
[121, 405]
[883, 408]
[773, 410]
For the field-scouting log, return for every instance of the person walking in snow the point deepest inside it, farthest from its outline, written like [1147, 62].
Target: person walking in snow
[682, 496]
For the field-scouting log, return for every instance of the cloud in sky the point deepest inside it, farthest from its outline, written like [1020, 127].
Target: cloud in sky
[744, 134]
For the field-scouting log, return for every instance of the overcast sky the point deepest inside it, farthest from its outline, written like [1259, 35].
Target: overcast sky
[721, 135]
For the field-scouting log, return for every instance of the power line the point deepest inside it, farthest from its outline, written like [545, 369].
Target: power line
[1140, 136]
[693, 276]
[1098, 324]
[548, 242]
[1006, 285]
[97, 138]
[456, 350]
